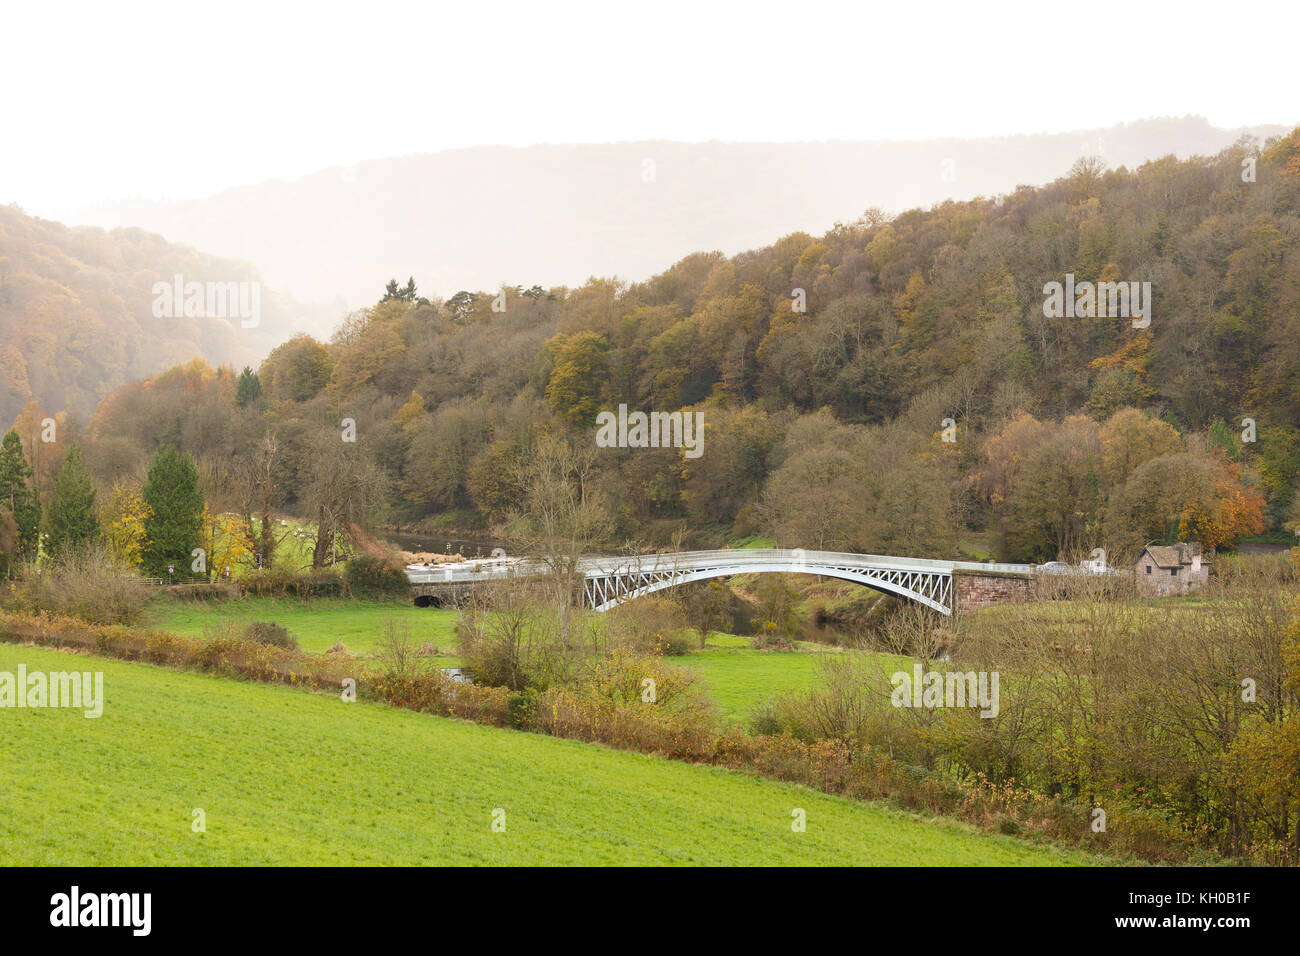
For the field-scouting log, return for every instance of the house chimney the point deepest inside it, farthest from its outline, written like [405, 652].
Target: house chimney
[1196, 562]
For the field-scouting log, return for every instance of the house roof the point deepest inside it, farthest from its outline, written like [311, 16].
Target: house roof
[1175, 556]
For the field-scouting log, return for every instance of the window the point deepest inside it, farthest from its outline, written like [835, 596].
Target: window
[1148, 569]
[1173, 572]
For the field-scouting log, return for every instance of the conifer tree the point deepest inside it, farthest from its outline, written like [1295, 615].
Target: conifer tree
[248, 389]
[175, 523]
[72, 517]
[18, 498]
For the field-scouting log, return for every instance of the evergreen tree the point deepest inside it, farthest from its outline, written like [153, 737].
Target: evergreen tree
[175, 522]
[72, 516]
[401, 294]
[18, 498]
[248, 389]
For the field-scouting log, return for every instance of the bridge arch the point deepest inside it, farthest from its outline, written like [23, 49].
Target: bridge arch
[928, 588]
[609, 581]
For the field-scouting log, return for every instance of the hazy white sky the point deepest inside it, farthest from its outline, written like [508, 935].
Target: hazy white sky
[134, 99]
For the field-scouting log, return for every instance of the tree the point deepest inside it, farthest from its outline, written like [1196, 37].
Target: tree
[406, 294]
[174, 526]
[704, 604]
[297, 370]
[577, 378]
[1131, 439]
[1187, 496]
[259, 492]
[228, 543]
[1055, 500]
[121, 520]
[345, 489]
[18, 497]
[248, 389]
[8, 539]
[72, 517]
[563, 516]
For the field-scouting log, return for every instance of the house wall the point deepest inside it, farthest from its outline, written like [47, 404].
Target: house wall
[1160, 583]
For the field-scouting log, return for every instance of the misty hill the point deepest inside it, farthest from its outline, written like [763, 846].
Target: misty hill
[557, 214]
[76, 313]
[827, 371]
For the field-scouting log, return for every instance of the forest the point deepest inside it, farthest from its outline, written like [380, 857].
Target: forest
[892, 386]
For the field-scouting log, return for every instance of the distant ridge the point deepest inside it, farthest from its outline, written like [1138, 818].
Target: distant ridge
[557, 214]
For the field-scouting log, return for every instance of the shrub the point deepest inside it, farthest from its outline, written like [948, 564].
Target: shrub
[279, 583]
[676, 643]
[89, 583]
[397, 654]
[366, 576]
[507, 638]
[199, 592]
[651, 625]
[769, 638]
[268, 632]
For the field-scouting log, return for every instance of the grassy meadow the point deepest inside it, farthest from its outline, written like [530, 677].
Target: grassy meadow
[735, 675]
[285, 776]
[317, 624]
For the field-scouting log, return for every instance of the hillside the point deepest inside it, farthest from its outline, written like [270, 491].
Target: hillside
[76, 313]
[287, 777]
[826, 427]
[556, 214]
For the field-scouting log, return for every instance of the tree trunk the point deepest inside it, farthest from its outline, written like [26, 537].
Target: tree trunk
[323, 539]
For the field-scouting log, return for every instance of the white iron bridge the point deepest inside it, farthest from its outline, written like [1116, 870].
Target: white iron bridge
[609, 581]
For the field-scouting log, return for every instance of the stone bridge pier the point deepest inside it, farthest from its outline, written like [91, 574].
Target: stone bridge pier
[977, 589]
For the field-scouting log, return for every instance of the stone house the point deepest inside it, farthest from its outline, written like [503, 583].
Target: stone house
[1176, 569]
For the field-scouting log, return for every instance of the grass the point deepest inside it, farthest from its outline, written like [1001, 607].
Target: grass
[738, 677]
[316, 624]
[284, 776]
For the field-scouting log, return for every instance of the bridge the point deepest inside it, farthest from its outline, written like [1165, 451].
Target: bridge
[943, 586]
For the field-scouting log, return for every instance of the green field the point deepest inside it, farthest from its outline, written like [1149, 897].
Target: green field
[737, 676]
[316, 624]
[289, 777]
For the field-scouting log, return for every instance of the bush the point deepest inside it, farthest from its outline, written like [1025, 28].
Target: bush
[651, 625]
[89, 583]
[268, 632]
[769, 638]
[365, 576]
[397, 654]
[277, 583]
[506, 638]
[199, 592]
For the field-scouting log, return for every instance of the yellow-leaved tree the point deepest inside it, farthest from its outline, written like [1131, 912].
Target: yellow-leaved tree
[122, 514]
[228, 543]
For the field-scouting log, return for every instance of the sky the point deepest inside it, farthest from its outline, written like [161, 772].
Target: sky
[120, 100]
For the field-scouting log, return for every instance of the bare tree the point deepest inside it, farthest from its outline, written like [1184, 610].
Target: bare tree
[346, 488]
[563, 516]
